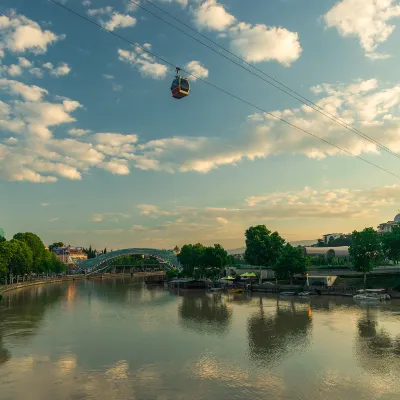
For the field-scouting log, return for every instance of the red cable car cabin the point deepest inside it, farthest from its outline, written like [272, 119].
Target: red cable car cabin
[180, 87]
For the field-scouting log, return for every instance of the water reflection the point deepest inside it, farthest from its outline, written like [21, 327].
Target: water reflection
[204, 314]
[377, 350]
[22, 311]
[272, 336]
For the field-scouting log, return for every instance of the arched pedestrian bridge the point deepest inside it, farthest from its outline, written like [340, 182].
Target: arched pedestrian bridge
[167, 258]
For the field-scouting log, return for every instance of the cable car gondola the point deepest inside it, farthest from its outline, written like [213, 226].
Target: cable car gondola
[180, 87]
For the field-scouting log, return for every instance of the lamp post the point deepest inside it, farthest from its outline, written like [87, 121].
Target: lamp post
[308, 283]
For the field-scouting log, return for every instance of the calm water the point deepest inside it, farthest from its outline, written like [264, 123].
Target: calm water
[118, 340]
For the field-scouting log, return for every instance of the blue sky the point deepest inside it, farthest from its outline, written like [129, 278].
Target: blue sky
[93, 149]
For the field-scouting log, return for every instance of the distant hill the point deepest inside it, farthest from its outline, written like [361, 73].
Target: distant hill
[241, 250]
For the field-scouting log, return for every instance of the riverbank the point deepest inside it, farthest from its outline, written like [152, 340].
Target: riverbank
[21, 285]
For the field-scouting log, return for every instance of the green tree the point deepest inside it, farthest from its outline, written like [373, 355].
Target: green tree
[391, 244]
[365, 250]
[36, 245]
[17, 258]
[55, 245]
[262, 247]
[191, 260]
[291, 261]
[2, 239]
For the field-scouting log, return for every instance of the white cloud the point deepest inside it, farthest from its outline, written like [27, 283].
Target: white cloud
[146, 64]
[195, 68]
[86, 3]
[53, 219]
[119, 21]
[36, 72]
[108, 76]
[24, 63]
[183, 3]
[116, 166]
[61, 70]
[109, 217]
[114, 139]
[19, 34]
[366, 19]
[44, 204]
[78, 132]
[30, 93]
[14, 70]
[256, 43]
[212, 15]
[100, 11]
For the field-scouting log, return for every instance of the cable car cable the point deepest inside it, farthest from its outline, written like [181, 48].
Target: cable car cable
[223, 90]
[300, 98]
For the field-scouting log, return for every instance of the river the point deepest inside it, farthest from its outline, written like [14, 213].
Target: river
[117, 340]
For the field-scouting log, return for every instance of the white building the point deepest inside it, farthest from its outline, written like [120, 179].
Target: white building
[334, 236]
[386, 227]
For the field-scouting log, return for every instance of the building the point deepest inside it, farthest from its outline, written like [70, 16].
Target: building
[69, 254]
[327, 252]
[330, 236]
[386, 227]
[322, 280]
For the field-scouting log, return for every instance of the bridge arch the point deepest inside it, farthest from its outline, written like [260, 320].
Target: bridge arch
[100, 263]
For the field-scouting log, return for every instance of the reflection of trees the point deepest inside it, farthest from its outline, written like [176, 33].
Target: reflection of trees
[23, 310]
[272, 336]
[204, 314]
[376, 349]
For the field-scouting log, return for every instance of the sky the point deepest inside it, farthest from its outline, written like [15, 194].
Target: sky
[94, 150]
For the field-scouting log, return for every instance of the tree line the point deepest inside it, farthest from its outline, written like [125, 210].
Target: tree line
[268, 249]
[25, 254]
[198, 261]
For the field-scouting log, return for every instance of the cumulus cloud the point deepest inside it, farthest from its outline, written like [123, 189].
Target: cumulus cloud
[146, 64]
[86, 3]
[20, 34]
[195, 68]
[78, 132]
[120, 21]
[369, 20]
[212, 15]
[61, 70]
[256, 43]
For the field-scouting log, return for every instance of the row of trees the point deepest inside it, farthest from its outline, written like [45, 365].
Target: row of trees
[198, 260]
[25, 254]
[343, 240]
[266, 248]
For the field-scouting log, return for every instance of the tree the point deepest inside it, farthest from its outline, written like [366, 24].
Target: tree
[291, 261]
[105, 250]
[55, 245]
[190, 258]
[262, 247]
[2, 239]
[36, 245]
[391, 244]
[17, 258]
[365, 250]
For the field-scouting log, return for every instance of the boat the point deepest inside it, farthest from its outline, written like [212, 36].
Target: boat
[236, 291]
[303, 294]
[287, 293]
[371, 295]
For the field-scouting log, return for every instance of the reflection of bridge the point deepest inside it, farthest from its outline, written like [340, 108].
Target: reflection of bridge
[166, 258]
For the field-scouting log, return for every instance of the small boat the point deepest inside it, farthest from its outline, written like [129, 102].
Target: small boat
[236, 291]
[303, 294]
[287, 293]
[371, 295]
